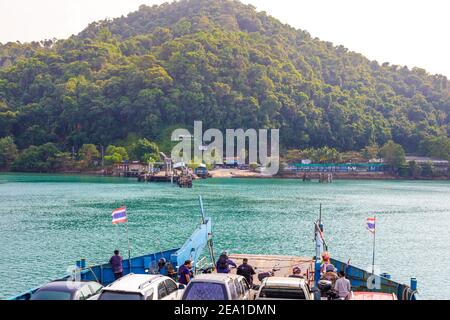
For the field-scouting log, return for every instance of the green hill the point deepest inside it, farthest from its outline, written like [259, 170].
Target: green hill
[218, 61]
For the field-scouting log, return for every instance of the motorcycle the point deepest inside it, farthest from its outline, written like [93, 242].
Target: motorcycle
[326, 290]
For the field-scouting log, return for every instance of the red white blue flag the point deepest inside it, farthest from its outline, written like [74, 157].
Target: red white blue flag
[119, 215]
[371, 224]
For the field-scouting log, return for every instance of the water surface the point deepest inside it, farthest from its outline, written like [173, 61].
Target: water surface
[47, 222]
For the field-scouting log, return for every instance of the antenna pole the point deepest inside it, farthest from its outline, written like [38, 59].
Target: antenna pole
[373, 255]
[320, 214]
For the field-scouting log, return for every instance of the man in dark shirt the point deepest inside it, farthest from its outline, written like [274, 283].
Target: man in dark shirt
[116, 263]
[223, 263]
[246, 271]
[184, 273]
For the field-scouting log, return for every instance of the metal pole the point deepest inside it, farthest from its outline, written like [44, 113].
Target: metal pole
[373, 256]
[210, 245]
[103, 156]
[202, 212]
[320, 214]
[129, 246]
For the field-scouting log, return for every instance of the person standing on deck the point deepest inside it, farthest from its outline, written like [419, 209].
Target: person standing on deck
[342, 286]
[116, 263]
[246, 271]
[224, 263]
[162, 267]
[184, 273]
[325, 262]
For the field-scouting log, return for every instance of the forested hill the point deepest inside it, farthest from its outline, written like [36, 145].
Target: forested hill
[218, 61]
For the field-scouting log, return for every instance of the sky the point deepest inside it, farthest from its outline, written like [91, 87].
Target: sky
[405, 32]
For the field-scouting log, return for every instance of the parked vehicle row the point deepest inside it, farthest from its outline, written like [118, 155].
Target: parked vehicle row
[213, 286]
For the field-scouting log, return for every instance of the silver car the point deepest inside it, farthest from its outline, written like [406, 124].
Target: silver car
[68, 290]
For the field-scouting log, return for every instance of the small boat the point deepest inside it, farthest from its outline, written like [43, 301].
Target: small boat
[194, 249]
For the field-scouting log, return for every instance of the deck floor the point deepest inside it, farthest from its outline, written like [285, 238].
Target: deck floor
[284, 264]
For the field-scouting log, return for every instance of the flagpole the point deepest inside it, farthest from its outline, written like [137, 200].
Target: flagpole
[374, 237]
[129, 246]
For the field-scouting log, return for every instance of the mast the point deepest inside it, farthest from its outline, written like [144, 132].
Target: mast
[373, 249]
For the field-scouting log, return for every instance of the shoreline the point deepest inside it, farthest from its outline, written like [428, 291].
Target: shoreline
[247, 174]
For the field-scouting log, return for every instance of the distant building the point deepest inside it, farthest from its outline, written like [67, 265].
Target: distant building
[422, 160]
[439, 165]
[129, 169]
[336, 167]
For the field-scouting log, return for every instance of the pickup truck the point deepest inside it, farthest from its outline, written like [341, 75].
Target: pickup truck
[285, 288]
[218, 286]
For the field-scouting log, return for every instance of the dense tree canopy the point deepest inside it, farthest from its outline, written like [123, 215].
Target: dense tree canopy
[218, 61]
[8, 152]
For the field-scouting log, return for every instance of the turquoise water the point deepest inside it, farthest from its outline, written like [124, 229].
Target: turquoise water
[48, 222]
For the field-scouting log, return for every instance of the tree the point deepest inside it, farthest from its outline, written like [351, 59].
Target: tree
[438, 147]
[8, 152]
[321, 155]
[115, 155]
[427, 169]
[87, 154]
[370, 152]
[44, 158]
[414, 169]
[393, 154]
[145, 151]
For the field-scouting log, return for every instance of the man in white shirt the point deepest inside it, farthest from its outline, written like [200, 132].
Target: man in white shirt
[342, 286]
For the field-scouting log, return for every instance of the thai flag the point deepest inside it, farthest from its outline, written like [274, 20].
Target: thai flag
[119, 215]
[371, 224]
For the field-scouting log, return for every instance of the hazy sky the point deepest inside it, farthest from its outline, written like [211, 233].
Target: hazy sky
[405, 32]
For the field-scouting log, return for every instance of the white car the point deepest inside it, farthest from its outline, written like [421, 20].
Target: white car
[218, 286]
[284, 288]
[143, 287]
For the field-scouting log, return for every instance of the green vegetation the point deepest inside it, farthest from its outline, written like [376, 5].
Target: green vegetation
[115, 155]
[438, 147]
[144, 151]
[8, 152]
[126, 81]
[320, 155]
[88, 155]
[45, 158]
[393, 154]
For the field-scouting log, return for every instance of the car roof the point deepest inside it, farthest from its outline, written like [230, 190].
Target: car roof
[63, 285]
[284, 281]
[132, 282]
[215, 277]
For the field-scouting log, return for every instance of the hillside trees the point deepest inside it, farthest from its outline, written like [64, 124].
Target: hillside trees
[220, 62]
[8, 152]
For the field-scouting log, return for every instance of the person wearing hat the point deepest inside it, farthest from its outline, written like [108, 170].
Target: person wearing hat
[296, 272]
[330, 274]
[325, 262]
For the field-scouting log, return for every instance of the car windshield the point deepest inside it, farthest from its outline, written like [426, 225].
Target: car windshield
[205, 291]
[283, 293]
[51, 295]
[110, 295]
